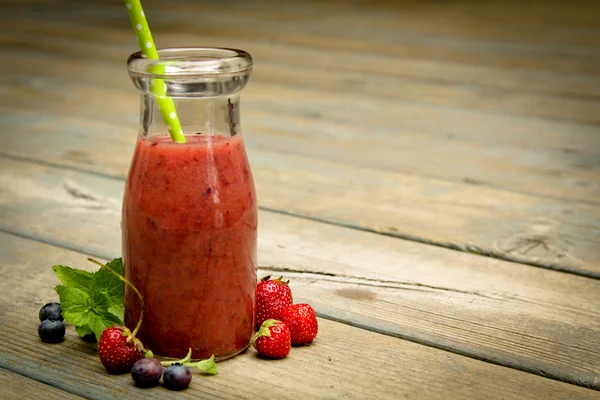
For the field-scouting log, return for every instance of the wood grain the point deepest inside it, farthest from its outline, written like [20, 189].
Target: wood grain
[471, 126]
[487, 99]
[495, 34]
[14, 386]
[304, 120]
[540, 321]
[66, 37]
[344, 362]
[366, 75]
[541, 231]
[497, 140]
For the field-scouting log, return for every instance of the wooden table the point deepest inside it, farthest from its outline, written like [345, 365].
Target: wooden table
[428, 177]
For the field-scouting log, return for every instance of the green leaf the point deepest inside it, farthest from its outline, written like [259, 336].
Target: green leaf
[101, 317]
[71, 277]
[91, 301]
[100, 301]
[264, 329]
[117, 310]
[75, 304]
[97, 325]
[116, 265]
[100, 321]
[184, 360]
[107, 280]
[83, 330]
[207, 366]
[110, 286]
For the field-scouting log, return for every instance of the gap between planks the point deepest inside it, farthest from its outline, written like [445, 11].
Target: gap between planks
[335, 311]
[323, 313]
[467, 248]
[433, 94]
[17, 384]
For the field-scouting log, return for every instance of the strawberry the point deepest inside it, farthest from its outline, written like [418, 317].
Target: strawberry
[272, 297]
[119, 349]
[302, 322]
[273, 339]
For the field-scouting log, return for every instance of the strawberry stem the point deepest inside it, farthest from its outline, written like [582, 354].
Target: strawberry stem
[142, 306]
[184, 360]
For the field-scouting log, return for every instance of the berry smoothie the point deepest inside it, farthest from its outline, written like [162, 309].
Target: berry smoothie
[189, 245]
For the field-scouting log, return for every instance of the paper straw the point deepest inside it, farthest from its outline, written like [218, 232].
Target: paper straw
[157, 86]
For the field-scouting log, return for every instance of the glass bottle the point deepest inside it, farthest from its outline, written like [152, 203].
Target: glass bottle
[189, 222]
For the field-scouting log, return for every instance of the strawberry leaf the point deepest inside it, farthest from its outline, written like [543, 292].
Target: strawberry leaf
[264, 330]
[207, 366]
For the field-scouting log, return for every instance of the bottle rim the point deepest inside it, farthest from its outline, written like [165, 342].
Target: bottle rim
[190, 62]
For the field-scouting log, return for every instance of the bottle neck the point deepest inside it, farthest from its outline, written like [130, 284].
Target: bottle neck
[213, 116]
[204, 84]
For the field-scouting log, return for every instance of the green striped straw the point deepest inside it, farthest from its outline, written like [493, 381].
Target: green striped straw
[158, 86]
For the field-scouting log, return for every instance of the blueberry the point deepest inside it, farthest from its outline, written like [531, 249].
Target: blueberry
[177, 377]
[51, 311]
[146, 372]
[51, 331]
[89, 338]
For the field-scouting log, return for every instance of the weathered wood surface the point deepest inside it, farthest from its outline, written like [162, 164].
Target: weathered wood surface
[345, 362]
[555, 233]
[14, 386]
[498, 131]
[291, 120]
[469, 126]
[296, 69]
[540, 321]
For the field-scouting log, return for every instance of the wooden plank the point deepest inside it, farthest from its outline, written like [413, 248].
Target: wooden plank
[540, 321]
[69, 37]
[409, 121]
[435, 94]
[471, 20]
[344, 362]
[574, 156]
[393, 34]
[550, 223]
[305, 122]
[569, 170]
[541, 231]
[14, 386]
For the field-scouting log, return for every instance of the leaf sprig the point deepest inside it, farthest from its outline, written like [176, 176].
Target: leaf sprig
[91, 301]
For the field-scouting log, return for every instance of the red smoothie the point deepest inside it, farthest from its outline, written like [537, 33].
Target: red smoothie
[189, 245]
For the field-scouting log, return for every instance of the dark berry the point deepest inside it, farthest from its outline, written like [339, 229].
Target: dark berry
[89, 338]
[51, 311]
[51, 331]
[146, 372]
[177, 377]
